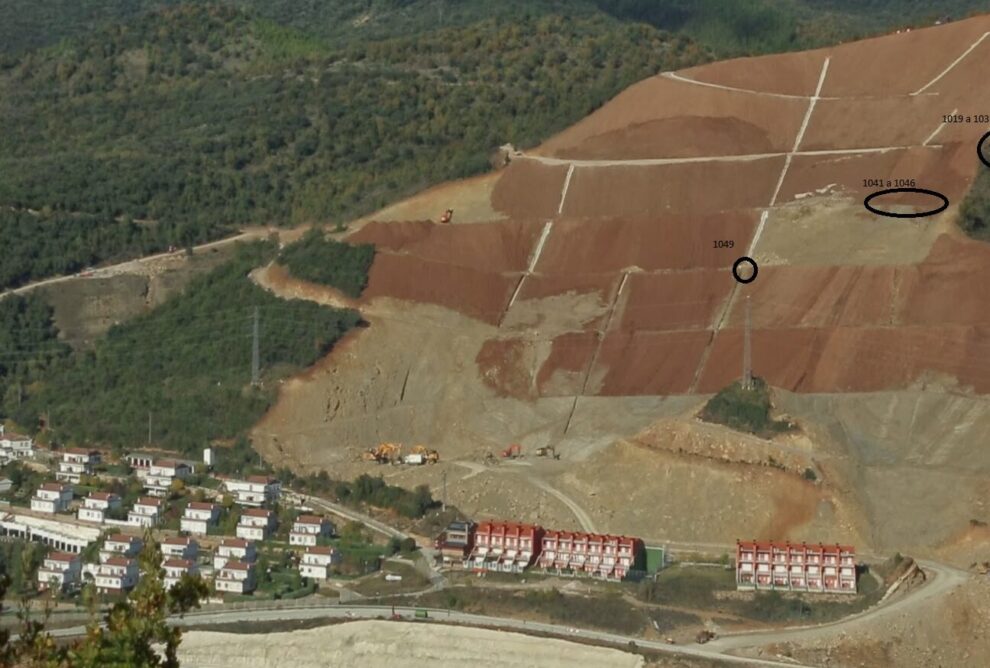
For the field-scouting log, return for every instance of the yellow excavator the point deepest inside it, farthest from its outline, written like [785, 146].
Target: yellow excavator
[429, 456]
[384, 453]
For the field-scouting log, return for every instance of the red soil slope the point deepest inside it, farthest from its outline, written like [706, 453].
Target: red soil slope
[649, 190]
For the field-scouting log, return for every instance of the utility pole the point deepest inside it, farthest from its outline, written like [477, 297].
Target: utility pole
[443, 478]
[747, 379]
[149, 427]
[255, 352]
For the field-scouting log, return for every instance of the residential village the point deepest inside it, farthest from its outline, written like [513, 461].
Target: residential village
[73, 519]
[219, 528]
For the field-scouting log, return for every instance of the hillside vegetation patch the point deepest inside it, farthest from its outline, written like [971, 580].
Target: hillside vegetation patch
[317, 259]
[745, 410]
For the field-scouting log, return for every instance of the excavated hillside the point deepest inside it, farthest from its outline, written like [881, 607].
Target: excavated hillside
[583, 297]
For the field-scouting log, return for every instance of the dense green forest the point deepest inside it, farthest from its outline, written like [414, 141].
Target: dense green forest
[317, 259]
[727, 26]
[181, 126]
[974, 213]
[29, 346]
[187, 362]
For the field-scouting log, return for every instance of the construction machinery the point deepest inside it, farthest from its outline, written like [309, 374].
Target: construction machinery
[548, 451]
[447, 216]
[384, 453]
[514, 451]
[429, 456]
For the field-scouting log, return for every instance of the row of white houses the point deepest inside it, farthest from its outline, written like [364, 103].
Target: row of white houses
[233, 565]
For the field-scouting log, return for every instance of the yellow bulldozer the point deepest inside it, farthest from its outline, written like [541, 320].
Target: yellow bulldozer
[383, 453]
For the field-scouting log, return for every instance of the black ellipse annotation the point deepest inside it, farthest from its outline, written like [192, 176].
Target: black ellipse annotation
[917, 214]
[979, 149]
[741, 261]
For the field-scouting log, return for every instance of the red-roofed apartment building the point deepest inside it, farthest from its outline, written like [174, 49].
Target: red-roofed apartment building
[600, 555]
[795, 567]
[504, 546]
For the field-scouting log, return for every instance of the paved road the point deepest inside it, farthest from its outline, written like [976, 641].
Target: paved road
[445, 616]
[941, 580]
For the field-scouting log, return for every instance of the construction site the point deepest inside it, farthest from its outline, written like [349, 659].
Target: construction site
[580, 304]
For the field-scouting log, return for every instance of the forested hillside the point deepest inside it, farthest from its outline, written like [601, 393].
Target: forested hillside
[183, 125]
[187, 364]
[729, 27]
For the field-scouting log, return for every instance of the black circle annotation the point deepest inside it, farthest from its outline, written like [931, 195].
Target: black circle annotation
[741, 261]
[917, 214]
[979, 149]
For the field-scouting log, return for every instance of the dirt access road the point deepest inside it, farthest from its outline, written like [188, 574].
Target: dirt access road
[137, 265]
[942, 580]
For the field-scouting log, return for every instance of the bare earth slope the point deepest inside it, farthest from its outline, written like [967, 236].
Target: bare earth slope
[584, 299]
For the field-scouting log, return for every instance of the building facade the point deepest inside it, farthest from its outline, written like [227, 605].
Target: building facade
[52, 497]
[599, 555]
[255, 524]
[317, 561]
[795, 567]
[14, 446]
[61, 570]
[236, 577]
[179, 547]
[505, 546]
[161, 473]
[75, 463]
[255, 491]
[234, 549]
[113, 576]
[455, 542]
[175, 568]
[199, 516]
[96, 505]
[120, 545]
[308, 529]
[147, 512]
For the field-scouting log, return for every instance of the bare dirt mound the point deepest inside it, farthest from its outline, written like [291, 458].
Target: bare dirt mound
[378, 643]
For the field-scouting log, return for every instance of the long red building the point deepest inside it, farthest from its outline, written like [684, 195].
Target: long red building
[601, 555]
[504, 546]
[795, 567]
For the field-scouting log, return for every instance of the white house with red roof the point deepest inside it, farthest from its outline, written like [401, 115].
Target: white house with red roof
[77, 462]
[234, 549]
[51, 497]
[146, 512]
[256, 524]
[236, 577]
[308, 529]
[175, 568]
[113, 576]
[95, 506]
[161, 474]
[14, 446]
[255, 490]
[179, 547]
[317, 561]
[62, 570]
[199, 516]
[120, 545]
